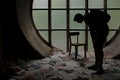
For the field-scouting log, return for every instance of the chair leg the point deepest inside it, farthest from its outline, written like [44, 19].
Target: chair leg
[70, 50]
[76, 51]
[84, 51]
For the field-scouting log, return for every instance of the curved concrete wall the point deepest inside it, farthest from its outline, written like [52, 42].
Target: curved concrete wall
[23, 8]
[113, 49]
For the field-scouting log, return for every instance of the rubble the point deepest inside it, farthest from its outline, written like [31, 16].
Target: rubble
[63, 67]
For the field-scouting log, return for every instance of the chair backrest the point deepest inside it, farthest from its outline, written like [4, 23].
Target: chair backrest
[74, 34]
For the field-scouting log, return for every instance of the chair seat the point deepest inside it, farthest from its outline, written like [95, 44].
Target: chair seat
[78, 44]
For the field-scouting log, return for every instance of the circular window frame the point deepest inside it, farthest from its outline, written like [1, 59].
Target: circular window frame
[24, 15]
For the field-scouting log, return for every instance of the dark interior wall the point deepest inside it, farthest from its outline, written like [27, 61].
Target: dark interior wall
[0, 43]
[14, 43]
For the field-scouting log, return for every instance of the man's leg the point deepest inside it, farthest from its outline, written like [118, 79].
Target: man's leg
[95, 66]
[100, 67]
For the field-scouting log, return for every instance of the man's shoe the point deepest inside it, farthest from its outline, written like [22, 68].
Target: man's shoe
[93, 67]
[100, 71]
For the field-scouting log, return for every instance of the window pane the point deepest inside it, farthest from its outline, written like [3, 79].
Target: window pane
[40, 18]
[115, 19]
[96, 3]
[113, 3]
[111, 33]
[58, 3]
[90, 44]
[44, 35]
[40, 4]
[73, 24]
[59, 39]
[58, 19]
[77, 3]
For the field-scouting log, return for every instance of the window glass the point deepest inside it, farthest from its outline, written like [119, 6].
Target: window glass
[96, 3]
[44, 34]
[40, 4]
[111, 33]
[90, 45]
[77, 3]
[58, 3]
[113, 3]
[58, 19]
[115, 19]
[40, 18]
[59, 39]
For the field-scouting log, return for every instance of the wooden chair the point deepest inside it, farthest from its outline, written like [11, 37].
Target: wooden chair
[76, 43]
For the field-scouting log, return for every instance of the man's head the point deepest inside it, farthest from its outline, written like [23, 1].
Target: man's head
[78, 18]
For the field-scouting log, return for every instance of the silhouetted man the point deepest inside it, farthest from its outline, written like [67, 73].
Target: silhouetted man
[97, 21]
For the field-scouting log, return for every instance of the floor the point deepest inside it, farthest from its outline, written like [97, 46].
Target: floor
[60, 66]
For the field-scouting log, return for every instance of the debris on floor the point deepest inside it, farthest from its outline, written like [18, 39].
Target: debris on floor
[64, 67]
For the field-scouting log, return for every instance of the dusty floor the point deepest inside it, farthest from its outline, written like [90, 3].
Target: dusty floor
[60, 66]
